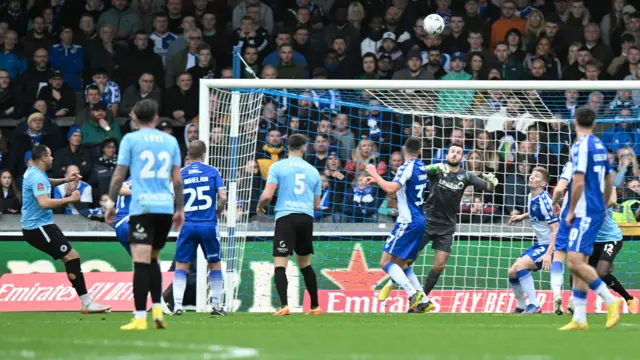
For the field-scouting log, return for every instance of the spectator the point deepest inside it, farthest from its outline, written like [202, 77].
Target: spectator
[372, 43]
[206, 66]
[109, 90]
[434, 63]
[369, 68]
[543, 51]
[385, 68]
[64, 190]
[457, 40]
[88, 35]
[123, 18]
[623, 100]
[366, 153]
[344, 136]
[143, 60]
[269, 151]
[288, 68]
[185, 59]
[625, 64]
[414, 70]
[249, 34]
[474, 20]
[443, 9]
[623, 134]
[179, 44]
[15, 17]
[538, 70]
[476, 45]
[318, 157]
[100, 178]
[175, 16]
[3, 150]
[628, 168]
[9, 101]
[60, 98]
[93, 97]
[558, 43]
[344, 66]
[36, 38]
[390, 48]
[251, 57]
[99, 128]
[612, 24]
[516, 187]
[456, 101]
[509, 68]
[596, 103]
[337, 177]
[389, 207]
[575, 19]
[395, 162]
[105, 55]
[73, 154]
[144, 89]
[476, 67]
[340, 28]
[69, 59]
[217, 40]
[538, 150]
[36, 77]
[577, 70]
[10, 58]
[191, 132]
[599, 50]
[11, 196]
[506, 23]
[516, 45]
[51, 21]
[35, 133]
[266, 14]
[361, 202]
[326, 197]
[161, 36]
[485, 146]
[181, 101]
[303, 45]
[535, 26]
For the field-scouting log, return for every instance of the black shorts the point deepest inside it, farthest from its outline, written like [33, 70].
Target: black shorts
[605, 251]
[441, 242]
[49, 239]
[150, 229]
[293, 233]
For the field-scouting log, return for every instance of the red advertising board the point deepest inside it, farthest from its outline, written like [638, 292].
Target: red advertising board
[53, 292]
[445, 301]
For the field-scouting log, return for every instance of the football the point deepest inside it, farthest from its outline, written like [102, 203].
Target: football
[433, 24]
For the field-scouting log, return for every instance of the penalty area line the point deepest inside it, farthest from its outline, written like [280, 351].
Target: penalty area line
[188, 351]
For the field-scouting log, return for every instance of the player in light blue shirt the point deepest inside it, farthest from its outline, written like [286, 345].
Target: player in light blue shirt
[583, 215]
[153, 158]
[205, 194]
[539, 255]
[299, 188]
[405, 240]
[37, 224]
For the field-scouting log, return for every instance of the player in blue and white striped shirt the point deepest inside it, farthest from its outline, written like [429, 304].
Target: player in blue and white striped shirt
[538, 256]
[403, 244]
[586, 210]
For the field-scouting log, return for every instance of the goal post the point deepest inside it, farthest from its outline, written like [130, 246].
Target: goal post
[506, 127]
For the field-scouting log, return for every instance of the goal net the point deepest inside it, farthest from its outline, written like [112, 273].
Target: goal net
[506, 128]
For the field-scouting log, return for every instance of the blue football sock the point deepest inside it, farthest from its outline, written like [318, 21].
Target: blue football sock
[529, 288]
[518, 293]
[179, 285]
[397, 274]
[216, 282]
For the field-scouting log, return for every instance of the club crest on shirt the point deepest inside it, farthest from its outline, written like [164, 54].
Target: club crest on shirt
[460, 176]
[40, 187]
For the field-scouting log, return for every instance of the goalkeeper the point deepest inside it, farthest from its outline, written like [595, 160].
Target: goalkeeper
[447, 183]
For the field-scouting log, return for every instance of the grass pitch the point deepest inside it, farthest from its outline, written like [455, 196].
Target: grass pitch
[68, 336]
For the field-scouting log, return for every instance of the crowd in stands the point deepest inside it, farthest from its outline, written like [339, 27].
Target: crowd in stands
[91, 61]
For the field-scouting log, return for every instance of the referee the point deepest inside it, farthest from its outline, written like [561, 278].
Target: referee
[38, 228]
[298, 197]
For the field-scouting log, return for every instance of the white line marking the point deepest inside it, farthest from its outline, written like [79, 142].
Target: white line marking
[186, 351]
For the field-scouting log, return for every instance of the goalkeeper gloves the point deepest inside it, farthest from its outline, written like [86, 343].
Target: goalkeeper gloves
[491, 179]
[440, 168]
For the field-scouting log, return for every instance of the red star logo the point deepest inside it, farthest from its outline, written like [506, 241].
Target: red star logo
[357, 276]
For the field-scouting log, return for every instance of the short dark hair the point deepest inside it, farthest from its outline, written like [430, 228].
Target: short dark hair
[196, 149]
[141, 32]
[93, 87]
[413, 145]
[585, 117]
[543, 171]
[296, 142]
[38, 152]
[109, 140]
[145, 111]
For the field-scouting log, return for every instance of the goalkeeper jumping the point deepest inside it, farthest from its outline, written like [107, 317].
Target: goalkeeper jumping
[447, 183]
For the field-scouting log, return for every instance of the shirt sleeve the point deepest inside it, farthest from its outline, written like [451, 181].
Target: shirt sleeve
[547, 212]
[477, 183]
[87, 195]
[273, 174]
[124, 153]
[567, 172]
[581, 157]
[218, 181]
[40, 185]
[403, 174]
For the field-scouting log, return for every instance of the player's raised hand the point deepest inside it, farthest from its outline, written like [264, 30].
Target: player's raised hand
[441, 168]
[372, 169]
[75, 196]
[370, 180]
[74, 176]
[491, 179]
[514, 219]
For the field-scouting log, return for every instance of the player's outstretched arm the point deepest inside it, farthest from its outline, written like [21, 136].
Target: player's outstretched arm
[390, 187]
[514, 219]
[265, 198]
[45, 202]
[222, 200]
[72, 177]
[178, 198]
